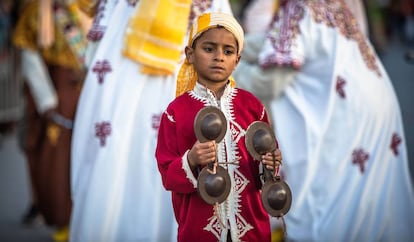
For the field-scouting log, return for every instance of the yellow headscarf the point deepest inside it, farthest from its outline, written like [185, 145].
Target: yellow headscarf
[187, 76]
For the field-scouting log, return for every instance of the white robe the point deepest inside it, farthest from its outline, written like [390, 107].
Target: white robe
[116, 187]
[335, 119]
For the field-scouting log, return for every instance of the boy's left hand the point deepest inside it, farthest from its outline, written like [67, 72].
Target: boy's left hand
[272, 161]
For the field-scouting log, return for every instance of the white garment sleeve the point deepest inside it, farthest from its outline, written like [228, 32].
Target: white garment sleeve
[38, 79]
[258, 15]
[266, 84]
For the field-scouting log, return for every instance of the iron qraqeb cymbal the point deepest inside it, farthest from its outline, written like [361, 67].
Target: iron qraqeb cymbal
[259, 139]
[214, 188]
[210, 124]
[276, 194]
[276, 197]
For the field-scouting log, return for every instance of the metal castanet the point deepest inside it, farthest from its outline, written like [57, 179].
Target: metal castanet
[213, 188]
[276, 194]
[213, 182]
[210, 124]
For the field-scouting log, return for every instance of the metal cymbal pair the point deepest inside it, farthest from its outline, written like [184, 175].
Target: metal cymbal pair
[276, 194]
[213, 182]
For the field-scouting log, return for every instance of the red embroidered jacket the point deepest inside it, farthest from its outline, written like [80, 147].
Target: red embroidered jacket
[242, 212]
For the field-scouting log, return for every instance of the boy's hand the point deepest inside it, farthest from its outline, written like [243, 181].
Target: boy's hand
[202, 153]
[267, 160]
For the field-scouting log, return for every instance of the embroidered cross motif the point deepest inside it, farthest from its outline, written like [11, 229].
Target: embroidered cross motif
[359, 156]
[101, 68]
[340, 83]
[132, 3]
[214, 226]
[236, 131]
[102, 130]
[240, 182]
[156, 119]
[395, 142]
[242, 225]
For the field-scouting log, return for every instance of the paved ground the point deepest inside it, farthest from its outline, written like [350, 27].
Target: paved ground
[14, 186]
[15, 194]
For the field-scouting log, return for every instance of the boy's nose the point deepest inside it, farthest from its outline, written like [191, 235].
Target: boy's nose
[219, 55]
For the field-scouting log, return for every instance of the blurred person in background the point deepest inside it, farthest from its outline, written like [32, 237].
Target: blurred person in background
[11, 81]
[50, 35]
[257, 17]
[116, 187]
[378, 17]
[403, 23]
[401, 20]
[338, 121]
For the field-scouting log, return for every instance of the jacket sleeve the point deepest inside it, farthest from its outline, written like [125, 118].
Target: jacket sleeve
[173, 164]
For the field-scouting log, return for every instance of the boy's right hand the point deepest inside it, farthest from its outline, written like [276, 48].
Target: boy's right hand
[202, 153]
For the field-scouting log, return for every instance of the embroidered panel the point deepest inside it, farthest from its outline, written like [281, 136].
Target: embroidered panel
[97, 30]
[336, 14]
[332, 13]
[228, 151]
[282, 35]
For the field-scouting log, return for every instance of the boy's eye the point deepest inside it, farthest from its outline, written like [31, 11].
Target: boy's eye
[228, 52]
[208, 49]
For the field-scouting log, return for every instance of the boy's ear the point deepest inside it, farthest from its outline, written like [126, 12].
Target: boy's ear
[237, 60]
[189, 54]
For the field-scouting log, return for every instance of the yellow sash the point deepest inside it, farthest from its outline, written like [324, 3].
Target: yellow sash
[156, 33]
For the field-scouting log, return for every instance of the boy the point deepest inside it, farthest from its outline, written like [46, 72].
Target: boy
[212, 53]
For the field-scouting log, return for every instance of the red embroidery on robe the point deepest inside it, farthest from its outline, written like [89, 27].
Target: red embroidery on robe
[282, 38]
[156, 119]
[282, 175]
[395, 142]
[336, 14]
[102, 130]
[97, 31]
[101, 68]
[332, 13]
[132, 3]
[359, 156]
[197, 8]
[340, 83]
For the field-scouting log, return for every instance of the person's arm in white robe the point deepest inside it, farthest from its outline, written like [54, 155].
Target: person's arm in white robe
[39, 81]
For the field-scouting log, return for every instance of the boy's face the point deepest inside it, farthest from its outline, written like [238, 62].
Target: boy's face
[214, 57]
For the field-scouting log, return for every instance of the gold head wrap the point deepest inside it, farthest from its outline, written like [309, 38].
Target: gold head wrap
[187, 76]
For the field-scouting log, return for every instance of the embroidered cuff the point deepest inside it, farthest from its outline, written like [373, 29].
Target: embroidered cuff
[278, 59]
[188, 171]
